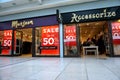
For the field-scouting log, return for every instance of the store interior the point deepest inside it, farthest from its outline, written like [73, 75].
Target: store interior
[88, 34]
[24, 42]
[94, 34]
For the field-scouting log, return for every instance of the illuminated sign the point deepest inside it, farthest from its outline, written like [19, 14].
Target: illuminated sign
[91, 15]
[7, 42]
[17, 24]
[70, 35]
[104, 14]
[50, 40]
[116, 32]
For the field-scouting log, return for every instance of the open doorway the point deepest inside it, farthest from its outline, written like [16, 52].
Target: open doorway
[23, 43]
[94, 34]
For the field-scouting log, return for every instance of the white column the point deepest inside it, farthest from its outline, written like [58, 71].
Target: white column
[61, 40]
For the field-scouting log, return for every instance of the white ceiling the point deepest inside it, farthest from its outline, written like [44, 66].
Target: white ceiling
[18, 6]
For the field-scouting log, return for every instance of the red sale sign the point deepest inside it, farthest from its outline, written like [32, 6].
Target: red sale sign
[116, 32]
[70, 35]
[50, 40]
[7, 42]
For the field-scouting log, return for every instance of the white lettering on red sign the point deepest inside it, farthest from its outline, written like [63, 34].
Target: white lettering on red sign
[50, 30]
[7, 43]
[48, 41]
[7, 34]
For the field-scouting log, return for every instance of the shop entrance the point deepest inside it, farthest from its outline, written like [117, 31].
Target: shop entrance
[23, 45]
[94, 35]
[87, 39]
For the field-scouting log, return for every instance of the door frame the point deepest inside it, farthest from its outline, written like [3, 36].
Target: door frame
[33, 41]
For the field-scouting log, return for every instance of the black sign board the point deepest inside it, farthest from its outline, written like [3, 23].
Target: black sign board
[110, 13]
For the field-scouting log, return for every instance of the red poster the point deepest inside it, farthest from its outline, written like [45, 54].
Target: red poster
[7, 42]
[50, 40]
[70, 35]
[116, 32]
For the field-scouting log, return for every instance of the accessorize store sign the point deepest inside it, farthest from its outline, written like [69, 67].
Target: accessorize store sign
[92, 15]
[50, 40]
[70, 35]
[116, 32]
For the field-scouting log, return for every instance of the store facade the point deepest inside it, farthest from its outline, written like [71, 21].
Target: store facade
[39, 36]
[49, 37]
[108, 18]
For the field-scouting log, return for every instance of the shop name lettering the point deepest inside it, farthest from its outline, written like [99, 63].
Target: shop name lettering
[104, 14]
[16, 24]
[50, 30]
[116, 27]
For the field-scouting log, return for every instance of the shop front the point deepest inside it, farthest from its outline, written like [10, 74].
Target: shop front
[43, 36]
[34, 36]
[98, 27]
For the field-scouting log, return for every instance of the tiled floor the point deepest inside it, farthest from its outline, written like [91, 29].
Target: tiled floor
[37, 68]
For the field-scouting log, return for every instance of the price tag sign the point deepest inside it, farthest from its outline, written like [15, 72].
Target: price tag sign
[50, 40]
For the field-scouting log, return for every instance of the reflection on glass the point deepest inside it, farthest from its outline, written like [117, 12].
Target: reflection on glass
[47, 40]
[70, 40]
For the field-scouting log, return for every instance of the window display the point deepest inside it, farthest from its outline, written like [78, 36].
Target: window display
[6, 42]
[70, 40]
[116, 36]
[47, 40]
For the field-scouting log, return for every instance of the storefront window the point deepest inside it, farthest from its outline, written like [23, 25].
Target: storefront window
[47, 41]
[5, 42]
[70, 46]
[116, 36]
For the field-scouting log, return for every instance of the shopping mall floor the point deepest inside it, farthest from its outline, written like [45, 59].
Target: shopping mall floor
[37, 68]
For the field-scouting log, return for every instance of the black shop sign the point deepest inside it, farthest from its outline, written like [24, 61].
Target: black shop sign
[110, 13]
